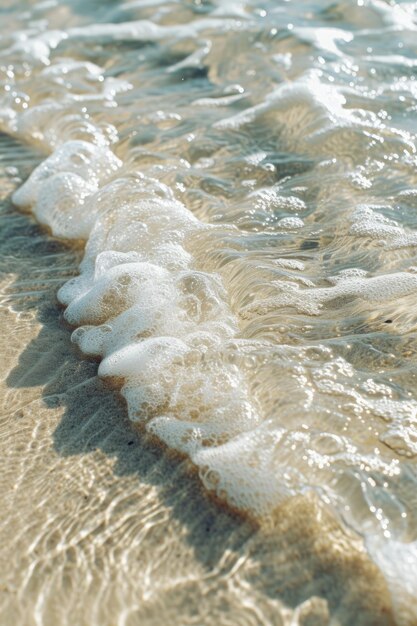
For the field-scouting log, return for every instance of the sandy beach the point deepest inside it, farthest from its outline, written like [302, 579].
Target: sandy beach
[101, 526]
[208, 331]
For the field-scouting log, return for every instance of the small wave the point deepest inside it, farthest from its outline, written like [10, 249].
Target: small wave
[245, 185]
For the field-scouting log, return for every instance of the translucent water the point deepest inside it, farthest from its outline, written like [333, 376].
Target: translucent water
[244, 177]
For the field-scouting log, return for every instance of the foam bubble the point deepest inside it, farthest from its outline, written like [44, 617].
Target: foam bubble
[60, 203]
[91, 163]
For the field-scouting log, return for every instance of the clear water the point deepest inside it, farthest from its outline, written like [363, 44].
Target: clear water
[244, 177]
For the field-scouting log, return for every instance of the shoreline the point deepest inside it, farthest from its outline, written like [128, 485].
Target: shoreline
[93, 509]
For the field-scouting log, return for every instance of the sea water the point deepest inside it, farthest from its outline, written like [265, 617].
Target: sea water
[243, 177]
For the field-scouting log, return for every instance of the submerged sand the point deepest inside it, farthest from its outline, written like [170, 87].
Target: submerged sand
[100, 526]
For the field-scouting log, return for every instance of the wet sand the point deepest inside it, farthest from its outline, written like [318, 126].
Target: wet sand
[101, 526]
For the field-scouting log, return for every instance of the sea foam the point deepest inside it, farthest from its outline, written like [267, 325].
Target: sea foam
[248, 280]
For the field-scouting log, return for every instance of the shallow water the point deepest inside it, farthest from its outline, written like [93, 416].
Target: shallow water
[244, 177]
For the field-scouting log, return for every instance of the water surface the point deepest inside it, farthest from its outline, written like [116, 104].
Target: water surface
[243, 175]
